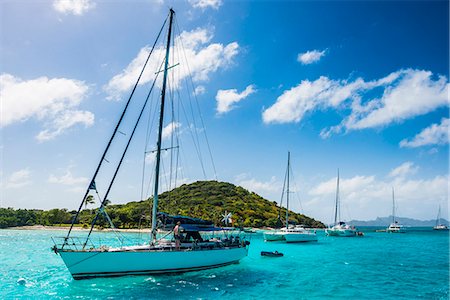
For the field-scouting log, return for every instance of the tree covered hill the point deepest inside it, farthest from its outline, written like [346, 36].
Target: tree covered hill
[202, 199]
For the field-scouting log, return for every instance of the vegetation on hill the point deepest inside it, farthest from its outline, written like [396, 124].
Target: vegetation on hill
[202, 199]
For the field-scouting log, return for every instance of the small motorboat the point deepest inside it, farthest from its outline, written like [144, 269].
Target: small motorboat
[271, 254]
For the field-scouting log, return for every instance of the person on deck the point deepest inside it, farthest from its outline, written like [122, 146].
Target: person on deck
[177, 235]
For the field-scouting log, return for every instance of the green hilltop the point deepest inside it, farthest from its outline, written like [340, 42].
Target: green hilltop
[207, 200]
[210, 199]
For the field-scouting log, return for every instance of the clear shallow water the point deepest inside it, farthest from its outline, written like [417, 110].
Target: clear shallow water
[378, 266]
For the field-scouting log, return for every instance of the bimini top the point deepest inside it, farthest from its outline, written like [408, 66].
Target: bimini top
[196, 227]
[187, 223]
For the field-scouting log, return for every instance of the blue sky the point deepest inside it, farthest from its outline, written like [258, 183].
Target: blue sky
[360, 86]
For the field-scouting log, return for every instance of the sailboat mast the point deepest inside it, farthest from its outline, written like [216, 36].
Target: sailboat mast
[393, 206]
[337, 201]
[438, 216]
[287, 191]
[161, 121]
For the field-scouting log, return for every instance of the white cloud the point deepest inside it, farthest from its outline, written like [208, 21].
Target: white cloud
[75, 7]
[169, 129]
[18, 179]
[199, 90]
[292, 105]
[350, 185]
[414, 93]
[66, 120]
[366, 197]
[436, 134]
[403, 94]
[227, 98]
[203, 4]
[67, 179]
[259, 187]
[310, 57]
[199, 59]
[51, 101]
[404, 169]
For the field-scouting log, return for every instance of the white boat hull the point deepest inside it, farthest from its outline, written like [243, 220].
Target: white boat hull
[440, 227]
[341, 232]
[395, 228]
[273, 236]
[88, 264]
[401, 230]
[293, 237]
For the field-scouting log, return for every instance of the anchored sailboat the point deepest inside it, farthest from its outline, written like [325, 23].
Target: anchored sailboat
[395, 227]
[84, 260]
[340, 228]
[439, 226]
[290, 234]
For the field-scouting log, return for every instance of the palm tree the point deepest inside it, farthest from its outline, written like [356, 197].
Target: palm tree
[89, 200]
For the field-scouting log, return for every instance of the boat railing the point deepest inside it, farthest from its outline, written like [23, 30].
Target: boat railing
[72, 243]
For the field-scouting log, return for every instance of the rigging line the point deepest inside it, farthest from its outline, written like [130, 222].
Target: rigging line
[173, 125]
[297, 190]
[195, 129]
[121, 159]
[147, 137]
[196, 136]
[154, 161]
[198, 106]
[193, 138]
[282, 194]
[113, 135]
[177, 154]
[177, 137]
[117, 233]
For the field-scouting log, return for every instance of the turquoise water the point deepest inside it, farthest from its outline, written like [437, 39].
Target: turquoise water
[414, 265]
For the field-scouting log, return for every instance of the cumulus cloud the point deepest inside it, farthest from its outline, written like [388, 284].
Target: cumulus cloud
[203, 4]
[64, 121]
[199, 58]
[67, 179]
[53, 101]
[227, 98]
[310, 57]
[407, 168]
[414, 93]
[436, 134]
[254, 185]
[402, 97]
[307, 96]
[169, 129]
[366, 197]
[74, 7]
[199, 90]
[18, 179]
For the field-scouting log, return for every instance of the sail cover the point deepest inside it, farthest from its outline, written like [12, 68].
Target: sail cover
[167, 222]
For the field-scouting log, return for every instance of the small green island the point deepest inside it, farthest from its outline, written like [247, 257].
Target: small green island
[206, 200]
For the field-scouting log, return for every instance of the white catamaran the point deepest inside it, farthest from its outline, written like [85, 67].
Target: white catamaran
[157, 255]
[340, 228]
[439, 225]
[290, 234]
[395, 226]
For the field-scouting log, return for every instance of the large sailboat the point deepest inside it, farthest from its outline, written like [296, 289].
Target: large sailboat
[340, 228]
[157, 255]
[439, 225]
[291, 233]
[395, 226]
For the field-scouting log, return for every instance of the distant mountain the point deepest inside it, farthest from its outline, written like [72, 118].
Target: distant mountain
[385, 221]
